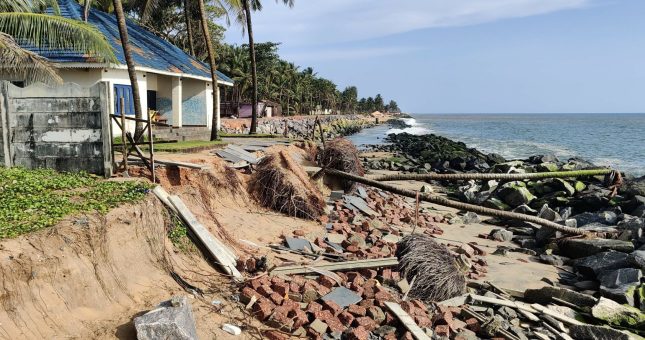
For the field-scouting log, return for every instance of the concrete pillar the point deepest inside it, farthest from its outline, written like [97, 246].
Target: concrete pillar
[208, 93]
[176, 102]
[219, 120]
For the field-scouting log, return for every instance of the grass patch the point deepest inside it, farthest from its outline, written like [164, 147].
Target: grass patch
[192, 145]
[178, 235]
[31, 200]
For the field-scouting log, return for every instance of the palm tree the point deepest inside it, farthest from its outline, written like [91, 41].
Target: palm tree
[256, 5]
[132, 74]
[24, 21]
[211, 62]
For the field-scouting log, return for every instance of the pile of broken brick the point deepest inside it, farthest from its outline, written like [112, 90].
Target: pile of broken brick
[356, 303]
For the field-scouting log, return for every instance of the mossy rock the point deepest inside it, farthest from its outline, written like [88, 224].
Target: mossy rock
[618, 315]
[547, 167]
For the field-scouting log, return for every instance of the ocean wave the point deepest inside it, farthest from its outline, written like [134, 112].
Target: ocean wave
[414, 130]
[410, 121]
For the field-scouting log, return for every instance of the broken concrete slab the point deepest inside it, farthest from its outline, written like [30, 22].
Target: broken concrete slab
[298, 244]
[172, 319]
[595, 264]
[618, 315]
[591, 332]
[577, 248]
[545, 296]
[342, 297]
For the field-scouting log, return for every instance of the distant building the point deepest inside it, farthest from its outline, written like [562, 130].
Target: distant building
[266, 108]
[170, 81]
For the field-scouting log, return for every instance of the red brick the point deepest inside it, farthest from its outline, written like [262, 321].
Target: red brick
[357, 310]
[263, 308]
[358, 333]
[326, 281]
[256, 283]
[299, 232]
[280, 319]
[367, 303]
[407, 336]
[265, 290]
[314, 307]
[276, 298]
[371, 283]
[366, 322]
[275, 335]
[335, 325]
[299, 280]
[277, 280]
[473, 325]
[332, 306]
[322, 290]
[423, 320]
[396, 276]
[442, 330]
[376, 313]
[300, 319]
[323, 315]
[352, 249]
[419, 304]
[369, 273]
[294, 287]
[291, 305]
[281, 288]
[390, 319]
[383, 296]
[368, 292]
[346, 318]
[247, 294]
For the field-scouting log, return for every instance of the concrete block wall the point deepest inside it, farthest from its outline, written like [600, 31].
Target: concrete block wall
[65, 127]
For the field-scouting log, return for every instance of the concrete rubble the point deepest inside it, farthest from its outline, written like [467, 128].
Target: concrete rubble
[172, 319]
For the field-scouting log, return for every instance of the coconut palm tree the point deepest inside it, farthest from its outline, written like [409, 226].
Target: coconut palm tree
[27, 22]
[247, 6]
[211, 62]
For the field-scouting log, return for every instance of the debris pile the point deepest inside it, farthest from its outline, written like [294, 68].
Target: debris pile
[281, 184]
[341, 154]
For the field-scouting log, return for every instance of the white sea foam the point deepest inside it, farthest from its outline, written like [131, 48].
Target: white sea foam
[415, 130]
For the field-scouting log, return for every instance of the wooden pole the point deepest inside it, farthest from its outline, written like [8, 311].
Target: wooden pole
[124, 138]
[151, 147]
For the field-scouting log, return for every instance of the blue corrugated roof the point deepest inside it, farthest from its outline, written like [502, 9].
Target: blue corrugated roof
[148, 50]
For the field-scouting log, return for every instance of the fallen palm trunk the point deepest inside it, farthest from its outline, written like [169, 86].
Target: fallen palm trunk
[457, 205]
[487, 176]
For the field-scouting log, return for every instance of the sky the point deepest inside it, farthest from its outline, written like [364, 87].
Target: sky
[469, 56]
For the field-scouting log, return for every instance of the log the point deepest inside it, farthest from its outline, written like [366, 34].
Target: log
[457, 205]
[488, 176]
[347, 265]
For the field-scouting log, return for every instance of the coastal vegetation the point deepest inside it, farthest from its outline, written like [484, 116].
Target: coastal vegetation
[35, 199]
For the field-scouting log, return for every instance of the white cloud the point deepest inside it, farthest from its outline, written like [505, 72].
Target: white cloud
[314, 22]
[346, 53]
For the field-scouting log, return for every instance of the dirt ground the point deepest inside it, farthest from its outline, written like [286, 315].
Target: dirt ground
[89, 276]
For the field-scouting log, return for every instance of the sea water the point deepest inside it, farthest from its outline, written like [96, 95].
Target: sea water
[616, 140]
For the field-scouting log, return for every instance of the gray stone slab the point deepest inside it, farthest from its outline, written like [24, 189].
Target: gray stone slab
[361, 205]
[343, 297]
[172, 319]
[298, 244]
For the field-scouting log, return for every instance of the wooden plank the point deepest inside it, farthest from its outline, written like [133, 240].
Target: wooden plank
[348, 265]
[407, 321]
[216, 248]
[182, 164]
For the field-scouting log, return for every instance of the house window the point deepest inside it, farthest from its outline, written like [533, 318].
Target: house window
[125, 92]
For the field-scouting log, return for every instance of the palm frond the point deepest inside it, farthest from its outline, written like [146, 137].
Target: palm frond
[148, 7]
[18, 63]
[28, 5]
[49, 32]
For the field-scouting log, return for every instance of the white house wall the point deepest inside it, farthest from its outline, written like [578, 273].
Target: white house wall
[193, 104]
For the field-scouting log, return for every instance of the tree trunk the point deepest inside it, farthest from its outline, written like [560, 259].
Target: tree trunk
[211, 62]
[454, 204]
[123, 32]
[189, 29]
[488, 176]
[254, 74]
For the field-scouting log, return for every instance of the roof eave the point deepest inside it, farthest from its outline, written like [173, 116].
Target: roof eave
[141, 69]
